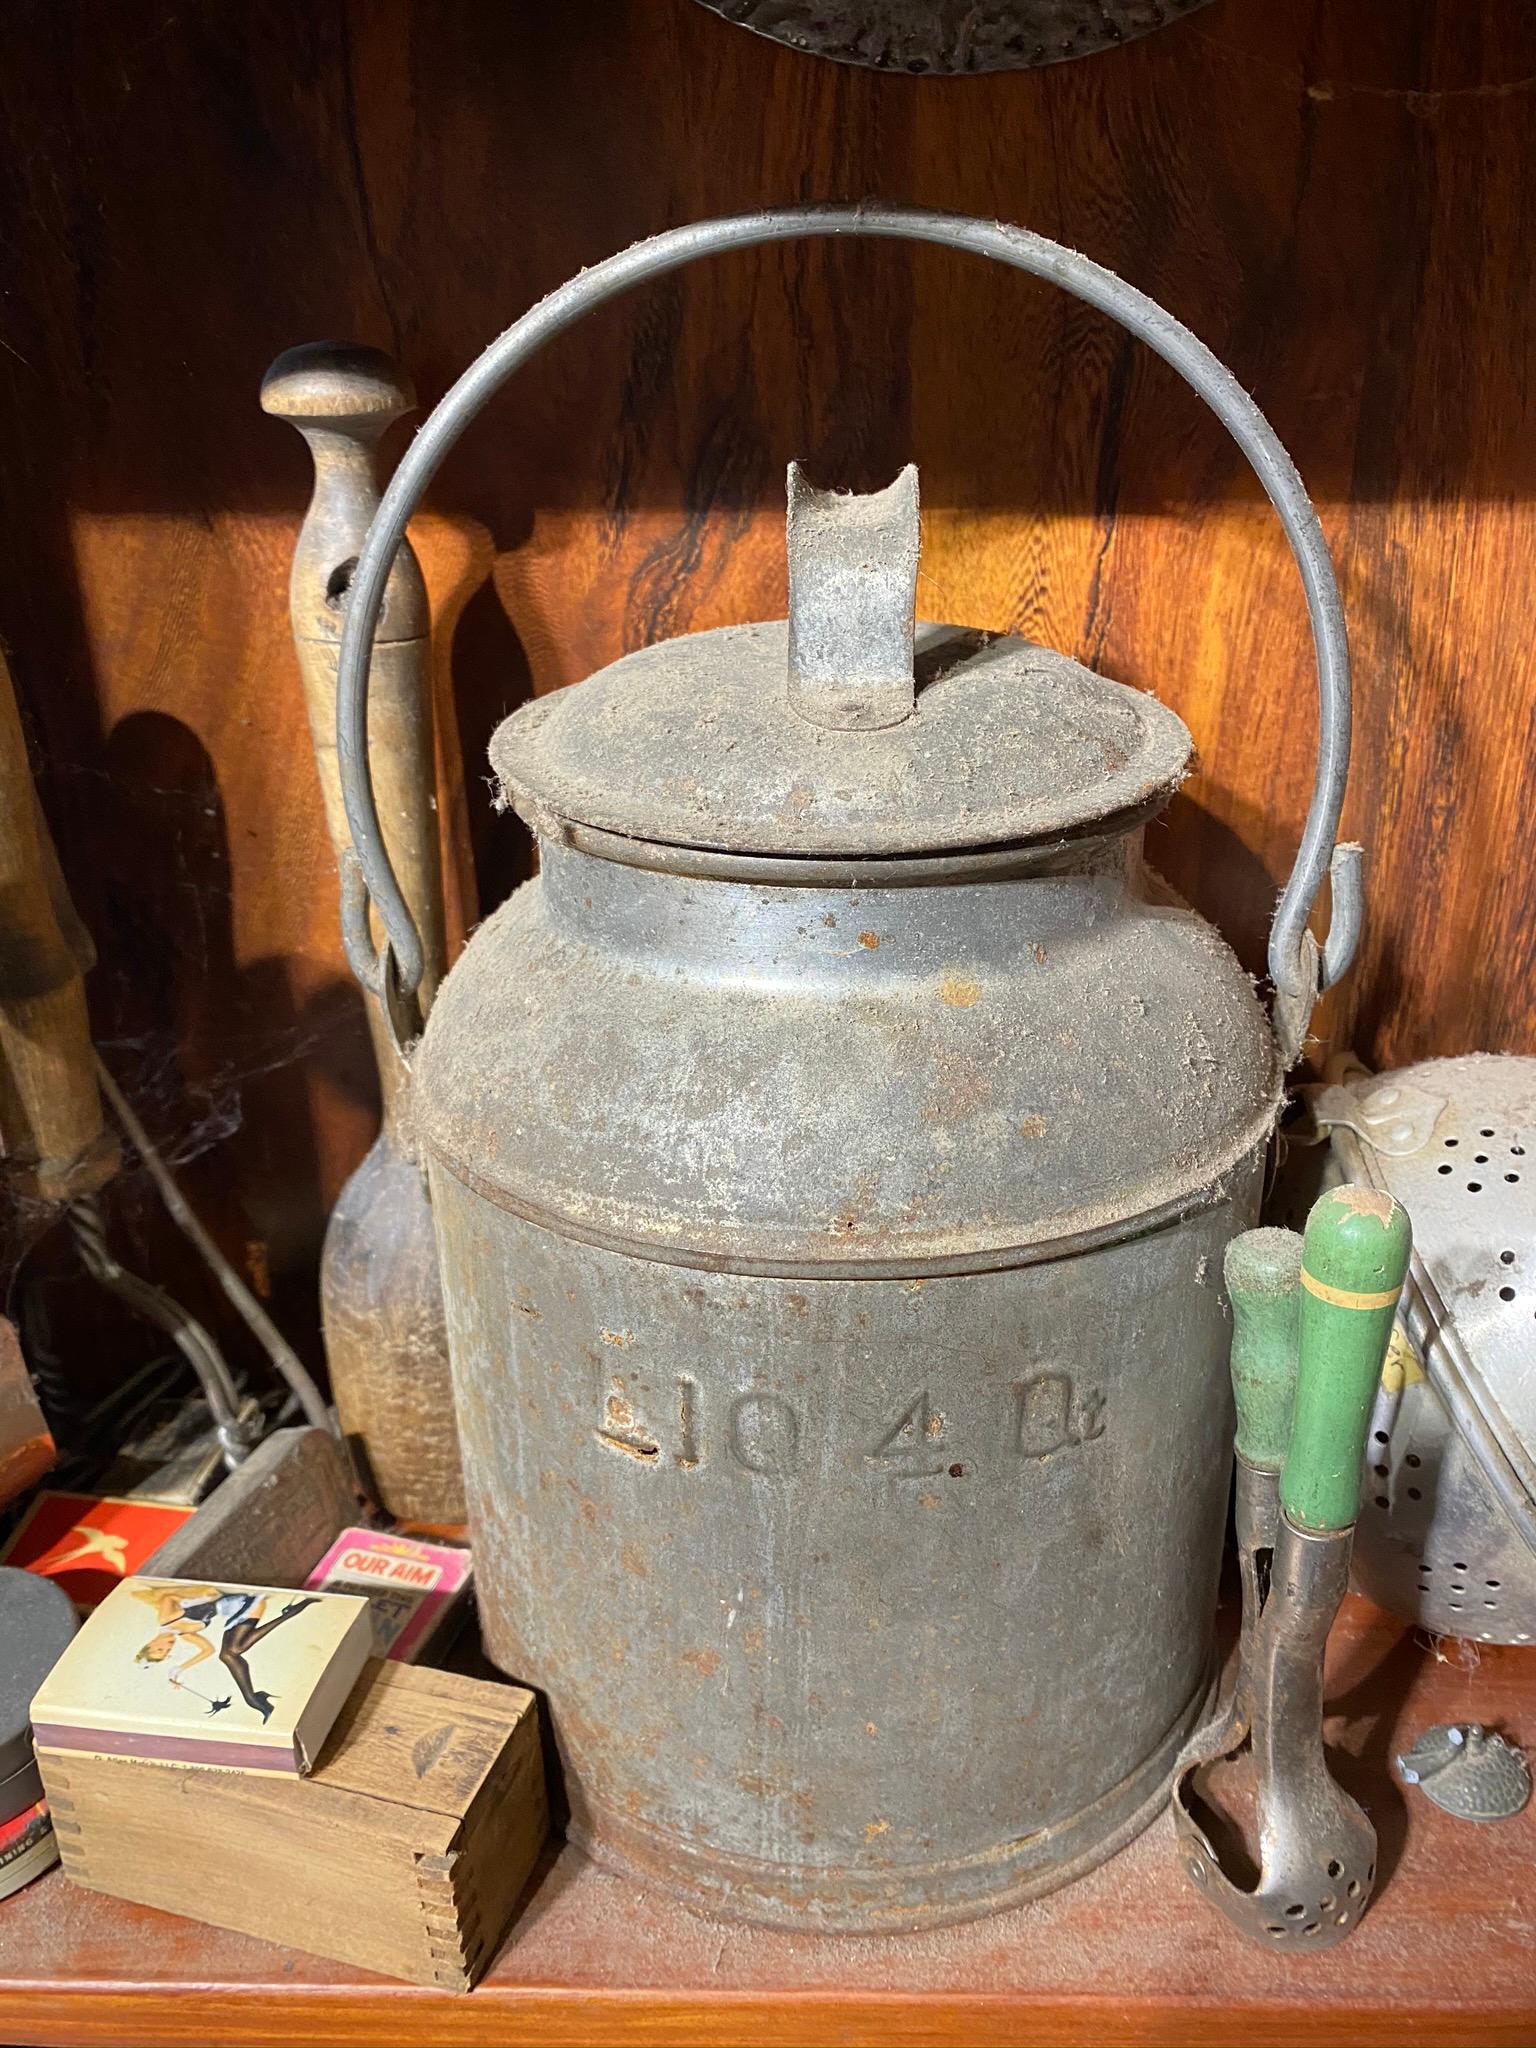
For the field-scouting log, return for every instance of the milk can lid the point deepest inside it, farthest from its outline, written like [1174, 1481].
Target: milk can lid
[846, 730]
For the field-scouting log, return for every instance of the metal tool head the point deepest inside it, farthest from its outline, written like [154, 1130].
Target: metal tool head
[1468, 1771]
[1309, 1878]
[1316, 1850]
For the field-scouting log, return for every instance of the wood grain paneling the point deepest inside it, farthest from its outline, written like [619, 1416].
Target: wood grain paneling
[1338, 199]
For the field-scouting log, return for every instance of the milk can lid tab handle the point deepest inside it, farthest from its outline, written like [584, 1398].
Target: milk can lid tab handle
[852, 602]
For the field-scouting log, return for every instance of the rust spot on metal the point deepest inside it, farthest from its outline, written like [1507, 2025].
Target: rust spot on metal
[705, 1662]
[929, 1500]
[797, 1303]
[1032, 1127]
[961, 1088]
[870, 1728]
[621, 1431]
[522, 1301]
[876, 1827]
[630, 1450]
[958, 991]
[752, 1638]
[854, 1210]
[632, 1561]
[870, 939]
[829, 917]
[1039, 952]
[623, 1338]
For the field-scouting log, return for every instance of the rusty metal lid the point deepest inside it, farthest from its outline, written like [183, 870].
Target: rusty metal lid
[845, 730]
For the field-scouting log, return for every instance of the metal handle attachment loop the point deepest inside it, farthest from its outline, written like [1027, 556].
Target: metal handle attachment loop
[1298, 967]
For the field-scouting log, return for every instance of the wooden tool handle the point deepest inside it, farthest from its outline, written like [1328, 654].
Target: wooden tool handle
[342, 399]
[1263, 1274]
[1354, 1262]
[52, 1138]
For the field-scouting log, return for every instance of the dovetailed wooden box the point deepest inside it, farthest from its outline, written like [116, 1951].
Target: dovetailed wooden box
[404, 1851]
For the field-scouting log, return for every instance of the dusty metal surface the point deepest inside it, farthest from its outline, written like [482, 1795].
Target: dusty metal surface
[817, 1080]
[821, 1578]
[832, 1271]
[817, 1548]
[852, 602]
[1447, 1534]
[831, 1265]
[688, 743]
[952, 36]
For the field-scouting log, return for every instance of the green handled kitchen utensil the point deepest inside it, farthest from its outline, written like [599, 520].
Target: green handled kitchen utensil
[1300, 1486]
[1263, 1275]
[1263, 1268]
[1352, 1271]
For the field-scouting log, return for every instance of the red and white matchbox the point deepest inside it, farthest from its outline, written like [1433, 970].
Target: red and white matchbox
[412, 1587]
[88, 1543]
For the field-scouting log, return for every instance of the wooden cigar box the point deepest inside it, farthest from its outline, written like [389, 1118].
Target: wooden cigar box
[404, 1851]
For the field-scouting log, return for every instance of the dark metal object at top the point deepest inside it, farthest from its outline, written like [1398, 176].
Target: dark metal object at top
[953, 37]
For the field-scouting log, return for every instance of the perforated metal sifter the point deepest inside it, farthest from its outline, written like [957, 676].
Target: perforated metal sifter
[1447, 1532]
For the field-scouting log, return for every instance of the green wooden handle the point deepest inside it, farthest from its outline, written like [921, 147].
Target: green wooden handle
[1354, 1261]
[1263, 1272]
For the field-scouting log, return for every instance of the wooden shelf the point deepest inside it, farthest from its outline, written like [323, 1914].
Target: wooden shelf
[1447, 1953]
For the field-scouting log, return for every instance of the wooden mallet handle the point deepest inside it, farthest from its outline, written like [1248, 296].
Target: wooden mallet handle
[342, 399]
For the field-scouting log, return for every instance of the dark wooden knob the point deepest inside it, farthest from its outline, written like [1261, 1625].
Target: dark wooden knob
[337, 387]
[342, 397]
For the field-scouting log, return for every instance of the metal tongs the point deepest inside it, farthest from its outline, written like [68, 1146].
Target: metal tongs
[1312, 1319]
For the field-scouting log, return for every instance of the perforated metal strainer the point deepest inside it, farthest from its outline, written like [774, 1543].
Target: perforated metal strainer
[1447, 1531]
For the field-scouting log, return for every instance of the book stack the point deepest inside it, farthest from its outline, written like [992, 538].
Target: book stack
[232, 1753]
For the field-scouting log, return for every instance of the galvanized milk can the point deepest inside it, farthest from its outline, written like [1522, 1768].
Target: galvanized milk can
[832, 1154]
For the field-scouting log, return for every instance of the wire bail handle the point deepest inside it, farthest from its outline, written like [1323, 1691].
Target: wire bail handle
[1299, 967]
